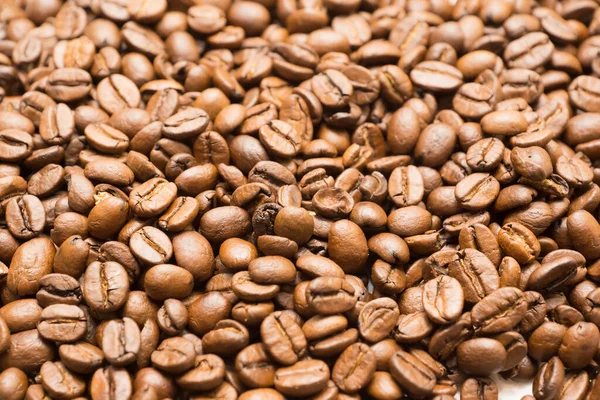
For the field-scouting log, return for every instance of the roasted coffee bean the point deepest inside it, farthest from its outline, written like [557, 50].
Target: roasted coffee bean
[518, 242]
[377, 319]
[110, 380]
[152, 197]
[471, 362]
[81, 357]
[575, 349]
[151, 246]
[30, 262]
[25, 217]
[354, 368]
[280, 187]
[62, 323]
[499, 311]
[436, 76]
[59, 382]
[477, 191]
[479, 389]
[180, 282]
[412, 374]
[208, 373]
[549, 379]
[475, 272]
[304, 378]
[105, 286]
[443, 299]
[283, 338]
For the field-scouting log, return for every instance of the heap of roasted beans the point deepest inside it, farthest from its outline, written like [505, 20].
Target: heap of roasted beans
[316, 199]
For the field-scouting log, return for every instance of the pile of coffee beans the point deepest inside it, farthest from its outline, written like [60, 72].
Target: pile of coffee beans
[303, 199]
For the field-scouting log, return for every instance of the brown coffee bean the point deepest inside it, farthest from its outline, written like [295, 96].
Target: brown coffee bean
[479, 389]
[550, 378]
[471, 362]
[283, 338]
[105, 286]
[377, 319]
[180, 286]
[518, 242]
[499, 311]
[477, 191]
[31, 261]
[443, 299]
[470, 263]
[174, 355]
[208, 373]
[354, 368]
[304, 378]
[436, 76]
[412, 374]
[62, 323]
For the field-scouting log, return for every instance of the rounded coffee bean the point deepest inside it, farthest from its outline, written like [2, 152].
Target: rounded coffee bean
[180, 282]
[576, 348]
[30, 262]
[151, 246]
[377, 319]
[304, 378]
[62, 323]
[470, 360]
[479, 389]
[81, 357]
[13, 384]
[174, 355]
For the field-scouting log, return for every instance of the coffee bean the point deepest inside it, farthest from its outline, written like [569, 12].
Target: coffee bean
[25, 217]
[529, 51]
[377, 319]
[499, 311]
[283, 338]
[174, 355]
[62, 323]
[471, 362]
[81, 357]
[230, 204]
[30, 262]
[105, 286]
[518, 242]
[479, 389]
[108, 380]
[550, 378]
[477, 191]
[181, 282]
[412, 374]
[443, 299]
[470, 263]
[208, 373]
[59, 382]
[354, 368]
[303, 378]
[436, 76]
